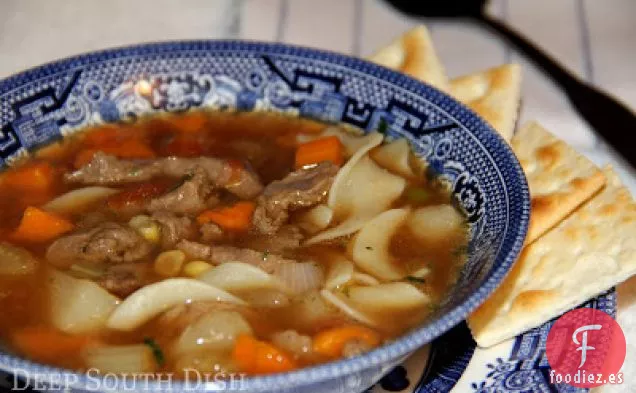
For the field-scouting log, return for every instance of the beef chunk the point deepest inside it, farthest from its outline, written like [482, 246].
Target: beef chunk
[107, 242]
[303, 188]
[189, 197]
[222, 254]
[213, 200]
[211, 232]
[122, 280]
[287, 238]
[229, 174]
[92, 219]
[264, 260]
[106, 169]
[196, 250]
[173, 228]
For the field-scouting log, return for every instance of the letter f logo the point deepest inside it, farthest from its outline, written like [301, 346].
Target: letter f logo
[583, 345]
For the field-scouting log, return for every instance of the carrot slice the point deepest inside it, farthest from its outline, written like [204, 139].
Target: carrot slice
[47, 344]
[259, 357]
[324, 149]
[331, 342]
[34, 177]
[237, 217]
[244, 353]
[40, 226]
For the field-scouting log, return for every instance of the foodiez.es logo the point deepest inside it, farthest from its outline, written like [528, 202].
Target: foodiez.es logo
[586, 348]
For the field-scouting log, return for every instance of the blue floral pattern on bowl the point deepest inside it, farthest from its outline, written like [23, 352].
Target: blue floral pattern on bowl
[55, 100]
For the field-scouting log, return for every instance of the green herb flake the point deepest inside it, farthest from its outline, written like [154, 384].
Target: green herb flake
[265, 255]
[416, 280]
[383, 127]
[156, 351]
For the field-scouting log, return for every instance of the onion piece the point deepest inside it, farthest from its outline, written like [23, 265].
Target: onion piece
[156, 298]
[215, 331]
[78, 200]
[300, 277]
[345, 307]
[266, 298]
[236, 277]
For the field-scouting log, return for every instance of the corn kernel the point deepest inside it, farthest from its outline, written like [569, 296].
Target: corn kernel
[139, 220]
[168, 263]
[196, 268]
[146, 227]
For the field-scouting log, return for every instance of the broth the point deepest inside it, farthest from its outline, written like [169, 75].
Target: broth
[249, 146]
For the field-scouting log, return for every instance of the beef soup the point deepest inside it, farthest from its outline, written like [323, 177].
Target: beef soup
[250, 243]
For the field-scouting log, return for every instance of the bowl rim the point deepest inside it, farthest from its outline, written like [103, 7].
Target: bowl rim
[396, 349]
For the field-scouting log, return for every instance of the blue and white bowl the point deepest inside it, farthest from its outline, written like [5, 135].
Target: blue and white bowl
[53, 101]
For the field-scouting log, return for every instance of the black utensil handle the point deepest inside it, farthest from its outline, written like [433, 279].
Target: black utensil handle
[554, 69]
[614, 121]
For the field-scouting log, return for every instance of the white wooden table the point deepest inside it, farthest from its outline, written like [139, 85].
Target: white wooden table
[595, 39]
